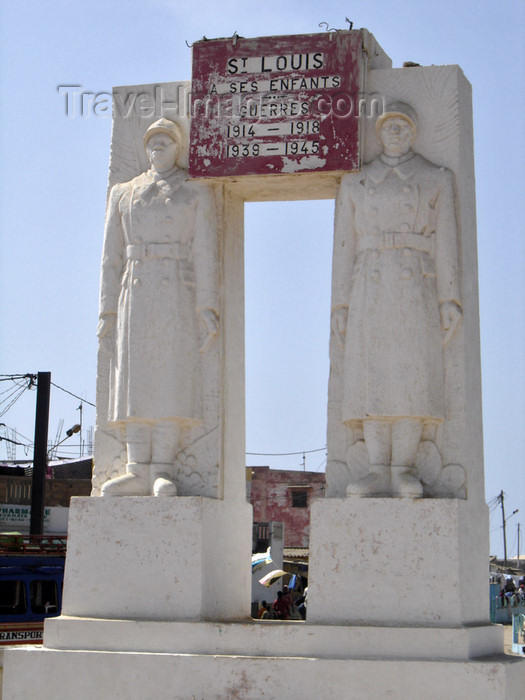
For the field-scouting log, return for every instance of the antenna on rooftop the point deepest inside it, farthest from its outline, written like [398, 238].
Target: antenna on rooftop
[53, 452]
[10, 445]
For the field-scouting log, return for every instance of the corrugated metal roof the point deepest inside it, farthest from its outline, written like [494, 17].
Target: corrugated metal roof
[80, 468]
[74, 469]
[296, 552]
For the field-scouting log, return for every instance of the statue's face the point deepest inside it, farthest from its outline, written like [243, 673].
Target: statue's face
[397, 136]
[162, 151]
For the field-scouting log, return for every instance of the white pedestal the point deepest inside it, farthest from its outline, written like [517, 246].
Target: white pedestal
[158, 559]
[401, 629]
[253, 672]
[400, 562]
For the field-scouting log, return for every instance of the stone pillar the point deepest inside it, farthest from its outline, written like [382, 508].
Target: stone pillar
[414, 554]
[183, 557]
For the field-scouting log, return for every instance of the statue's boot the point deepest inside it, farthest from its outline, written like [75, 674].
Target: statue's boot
[163, 484]
[135, 482]
[377, 483]
[405, 484]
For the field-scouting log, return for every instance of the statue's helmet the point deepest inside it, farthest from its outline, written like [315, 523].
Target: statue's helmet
[163, 126]
[398, 110]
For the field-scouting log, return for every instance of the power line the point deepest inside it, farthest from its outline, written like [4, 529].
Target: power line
[72, 394]
[16, 391]
[285, 454]
[29, 441]
[12, 394]
[9, 389]
[13, 442]
[492, 506]
[12, 398]
[12, 390]
[32, 380]
[323, 464]
[12, 377]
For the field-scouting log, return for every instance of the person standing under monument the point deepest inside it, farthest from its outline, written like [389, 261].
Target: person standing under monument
[158, 311]
[281, 606]
[396, 302]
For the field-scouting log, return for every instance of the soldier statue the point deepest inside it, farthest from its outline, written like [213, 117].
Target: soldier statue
[158, 311]
[396, 302]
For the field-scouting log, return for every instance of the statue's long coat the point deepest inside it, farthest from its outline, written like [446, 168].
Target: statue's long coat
[159, 270]
[395, 261]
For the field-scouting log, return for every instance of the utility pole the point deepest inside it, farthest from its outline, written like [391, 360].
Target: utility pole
[80, 408]
[38, 489]
[501, 500]
[518, 545]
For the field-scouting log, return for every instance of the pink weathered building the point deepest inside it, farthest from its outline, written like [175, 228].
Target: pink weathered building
[285, 496]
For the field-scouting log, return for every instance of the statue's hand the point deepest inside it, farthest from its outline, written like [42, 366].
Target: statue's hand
[210, 320]
[450, 317]
[105, 331]
[339, 320]
[106, 325]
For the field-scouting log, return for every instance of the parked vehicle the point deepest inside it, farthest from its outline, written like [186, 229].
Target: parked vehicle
[31, 580]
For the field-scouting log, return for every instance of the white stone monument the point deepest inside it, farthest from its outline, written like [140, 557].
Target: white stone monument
[157, 581]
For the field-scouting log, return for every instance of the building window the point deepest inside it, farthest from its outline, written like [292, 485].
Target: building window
[299, 499]
[260, 537]
[19, 491]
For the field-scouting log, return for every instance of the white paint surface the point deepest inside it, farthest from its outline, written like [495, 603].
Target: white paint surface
[158, 559]
[85, 675]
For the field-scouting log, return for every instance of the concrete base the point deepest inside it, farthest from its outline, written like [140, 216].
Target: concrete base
[158, 559]
[399, 562]
[273, 639]
[139, 604]
[164, 649]
[84, 675]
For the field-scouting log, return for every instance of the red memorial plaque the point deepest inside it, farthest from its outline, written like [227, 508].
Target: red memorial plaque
[272, 105]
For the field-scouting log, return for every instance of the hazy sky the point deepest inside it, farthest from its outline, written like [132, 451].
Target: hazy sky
[53, 187]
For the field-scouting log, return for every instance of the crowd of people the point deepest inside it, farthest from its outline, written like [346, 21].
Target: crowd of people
[512, 594]
[284, 607]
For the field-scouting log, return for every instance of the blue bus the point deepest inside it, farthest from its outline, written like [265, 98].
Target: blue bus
[31, 580]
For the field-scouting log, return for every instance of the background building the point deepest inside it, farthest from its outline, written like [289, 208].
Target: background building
[285, 496]
[63, 480]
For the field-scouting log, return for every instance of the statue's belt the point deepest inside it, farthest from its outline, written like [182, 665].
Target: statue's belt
[385, 240]
[176, 250]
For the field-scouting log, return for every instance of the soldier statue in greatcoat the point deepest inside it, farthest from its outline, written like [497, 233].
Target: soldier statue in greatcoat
[396, 301]
[158, 311]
